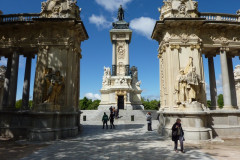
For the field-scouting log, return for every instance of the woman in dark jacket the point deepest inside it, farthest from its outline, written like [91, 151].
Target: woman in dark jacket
[177, 134]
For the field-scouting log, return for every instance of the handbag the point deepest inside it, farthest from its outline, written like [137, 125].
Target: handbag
[174, 133]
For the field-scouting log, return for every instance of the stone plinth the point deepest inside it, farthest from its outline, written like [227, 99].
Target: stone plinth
[193, 123]
[39, 126]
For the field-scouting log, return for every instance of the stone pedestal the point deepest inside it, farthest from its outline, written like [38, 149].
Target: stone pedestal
[193, 123]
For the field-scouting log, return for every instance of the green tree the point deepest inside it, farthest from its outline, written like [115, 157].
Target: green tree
[1, 12]
[209, 103]
[220, 101]
[18, 104]
[88, 104]
[150, 105]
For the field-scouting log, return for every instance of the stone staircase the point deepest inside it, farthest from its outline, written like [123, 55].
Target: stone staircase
[125, 115]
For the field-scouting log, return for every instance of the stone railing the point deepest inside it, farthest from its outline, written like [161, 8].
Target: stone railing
[220, 17]
[25, 17]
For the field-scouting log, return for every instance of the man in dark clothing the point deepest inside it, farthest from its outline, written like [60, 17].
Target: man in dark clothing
[105, 120]
[111, 109]
[177, 134]
[112, 121]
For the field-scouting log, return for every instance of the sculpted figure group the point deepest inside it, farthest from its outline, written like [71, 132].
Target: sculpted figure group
[188, 84]
[53, 85]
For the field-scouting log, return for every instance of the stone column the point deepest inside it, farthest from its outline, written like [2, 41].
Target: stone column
[13, 80]
[232, 82]
[26, 85]
[213, 86]
[225, 78]
[114, 58]
[6, 83]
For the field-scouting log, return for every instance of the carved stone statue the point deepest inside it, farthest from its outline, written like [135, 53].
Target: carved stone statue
[47, 76]
[106, 77]
[53, 84]
[55, 88]
[120, 13]
[181, 88]
[193, 85]
[188, 84]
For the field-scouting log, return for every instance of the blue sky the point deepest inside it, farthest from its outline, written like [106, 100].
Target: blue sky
[97, 16]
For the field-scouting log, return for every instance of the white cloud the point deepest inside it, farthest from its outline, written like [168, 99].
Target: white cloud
[99, 21]
[152, 97]
[92, 96]
[143, 26]
[112, 5]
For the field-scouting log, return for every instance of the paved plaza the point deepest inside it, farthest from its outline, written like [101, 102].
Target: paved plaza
[129, 141]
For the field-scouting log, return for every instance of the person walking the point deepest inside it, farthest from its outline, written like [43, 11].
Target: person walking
[114, 112]
[149, 121]
[178, 135]
[105, 120]
[112, 121]
[111, 109]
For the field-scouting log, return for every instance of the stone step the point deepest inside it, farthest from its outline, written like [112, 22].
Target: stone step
[124, 115]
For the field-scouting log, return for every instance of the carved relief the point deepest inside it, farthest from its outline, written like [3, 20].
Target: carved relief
[179, 9]
[237, 76]
[52, 85]
[60, 9]
[121, 50]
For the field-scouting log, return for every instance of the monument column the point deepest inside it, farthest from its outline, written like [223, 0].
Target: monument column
[26, 85]
[232, 82]
[114, 58]
[13, 80]
[225, 78]
[213, 86]
[6, 83]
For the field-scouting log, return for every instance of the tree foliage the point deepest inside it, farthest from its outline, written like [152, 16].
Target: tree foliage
[19, 104]
[1, 12]
[88, 104]
[150, 104]
[209, 103]
[220, 101]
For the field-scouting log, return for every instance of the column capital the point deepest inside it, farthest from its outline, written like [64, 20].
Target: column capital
[224, 49]
[195, 46]
[175, 46]
[209, 56]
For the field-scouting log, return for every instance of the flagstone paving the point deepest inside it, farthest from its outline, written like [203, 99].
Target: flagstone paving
[129, 141]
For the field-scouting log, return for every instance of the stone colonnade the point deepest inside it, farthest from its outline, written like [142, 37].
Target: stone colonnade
[11, 79]
[229, 91]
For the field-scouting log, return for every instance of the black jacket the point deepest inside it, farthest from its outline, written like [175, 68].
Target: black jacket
[174, 129]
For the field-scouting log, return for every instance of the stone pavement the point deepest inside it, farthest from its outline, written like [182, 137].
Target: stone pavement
[129, 141]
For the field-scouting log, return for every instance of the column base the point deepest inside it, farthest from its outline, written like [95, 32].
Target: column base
[230, 107]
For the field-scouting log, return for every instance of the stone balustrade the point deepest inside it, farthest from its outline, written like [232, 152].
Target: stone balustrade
[23, 17]
[220, 17]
